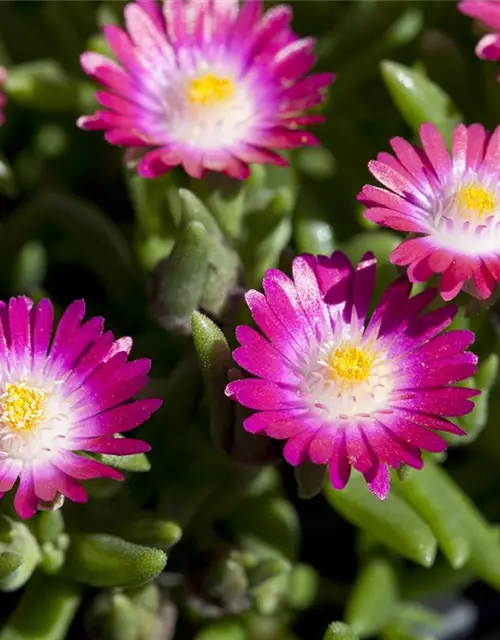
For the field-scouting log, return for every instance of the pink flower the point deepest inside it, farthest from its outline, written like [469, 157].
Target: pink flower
[206, 84]
[63, 398]
[449, 205]
[3, 99]
[343, 388]
[487, 12]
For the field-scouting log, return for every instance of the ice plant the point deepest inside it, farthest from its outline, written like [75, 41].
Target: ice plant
[449, 205]
[343, 388]
[488, 13]
[62, 400]
[206, 84]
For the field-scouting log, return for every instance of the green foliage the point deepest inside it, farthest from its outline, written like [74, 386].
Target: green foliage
[106, 561]
[392, 521]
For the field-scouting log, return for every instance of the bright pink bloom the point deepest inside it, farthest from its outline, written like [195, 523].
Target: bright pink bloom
[61, 397]
[345, 389]
[206, 84]
[487, 12]
[3, 99]
[449, 205]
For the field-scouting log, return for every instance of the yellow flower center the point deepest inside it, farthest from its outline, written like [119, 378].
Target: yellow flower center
[22, 407]
[210, 89]
[351, 364]
[476, 199]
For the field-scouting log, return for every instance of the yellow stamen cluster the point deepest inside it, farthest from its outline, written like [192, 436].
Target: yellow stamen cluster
[209, 89]
[22, 407]
[350, 364]
[476, 200]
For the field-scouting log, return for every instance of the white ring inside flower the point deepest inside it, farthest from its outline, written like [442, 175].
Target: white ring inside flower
[210, 108]
[349, 378]
[468, 217]
[32, 417]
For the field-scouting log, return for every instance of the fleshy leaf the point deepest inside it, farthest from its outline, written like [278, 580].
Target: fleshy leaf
[102, 560]
[223, 630]
[419, 99]
[391, 520]
[464, 535]
[373, 599]
[44, 612]
[215, 359]
[310, 479]
[17, 540]
[179, 280]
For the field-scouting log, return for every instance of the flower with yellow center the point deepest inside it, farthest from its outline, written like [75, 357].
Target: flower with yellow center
[448, 204]
[344, 387]
[209, 90]
[475, 200]
[225, 85]
[63, 400]
[22, 407]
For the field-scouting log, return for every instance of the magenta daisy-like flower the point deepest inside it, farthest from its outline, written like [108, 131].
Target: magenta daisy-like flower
[61, 399]
[206, 84]
[449, 205]
[343, 388]
[488, 13]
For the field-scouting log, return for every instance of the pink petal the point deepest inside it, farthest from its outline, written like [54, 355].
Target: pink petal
[19, 322]
[448, 401]
[262, 394]
[117, 420]
[81, 468]
[435, 148]
[112, 446]
[378, 480]
[261, 359]
[25, 501]
[363, 283]
[487, 11]
[278, 424]
[488, 48]
[310, 296]
[42, 323]
[295, 450]
[321, 447]
[339, 467]
[284, 300]
[476, 140]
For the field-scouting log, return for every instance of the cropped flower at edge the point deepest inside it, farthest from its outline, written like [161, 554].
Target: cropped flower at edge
[61, 398]
[488, 13]
[345, 389]
[206, 84]
[449, 205]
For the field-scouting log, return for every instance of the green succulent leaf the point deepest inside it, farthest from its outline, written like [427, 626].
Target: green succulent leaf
[180, 279]
[102, 560]
[45, 611]
[418, 99]
[223, 630]
[373, 600]
[392, 520]
[463, 534]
